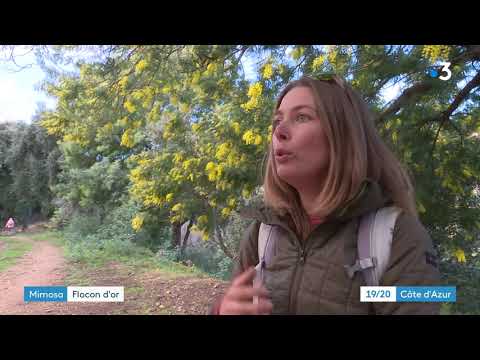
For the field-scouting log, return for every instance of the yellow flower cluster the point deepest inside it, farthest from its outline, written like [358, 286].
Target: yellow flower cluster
[175, 219]
[204, 236]
[196, 78]
[211, 68]
[129, 106]
[297, 53]
[254, 93]
[167, 133]
[435, 52]
[202, 220]
[246, 192]
[214, 172]
[176, 175]
[236, 127]
[251, 138]
[184, 108]
[223, 151]
[127, 139]
[234, 159]
[153, 200]
[332, 56]
[177, 158]
[226, 212]
[178, 207]
[187, 164]
[107, 128]
[318, 62]
[267, 71]
[123, 82]
[145, 95]
[137, 222]
[141, 65]
[123, 122]
[53, 124]
[231, 202]
[195, 127]
[223, 185]
[460, 255]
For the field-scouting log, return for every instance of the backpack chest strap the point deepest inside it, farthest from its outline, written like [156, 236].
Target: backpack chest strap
[360, 265]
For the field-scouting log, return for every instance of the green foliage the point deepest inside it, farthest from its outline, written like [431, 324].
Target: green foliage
[208, 256]
[13, 251]
[209, 259]
[466, 278]
[28, 168]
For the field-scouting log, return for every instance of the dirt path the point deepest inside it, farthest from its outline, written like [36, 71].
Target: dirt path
[145, 292]
[42, 266]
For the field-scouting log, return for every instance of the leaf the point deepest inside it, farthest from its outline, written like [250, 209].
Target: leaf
[421, 208]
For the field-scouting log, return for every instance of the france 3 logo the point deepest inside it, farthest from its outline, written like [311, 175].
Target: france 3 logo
[442, 71]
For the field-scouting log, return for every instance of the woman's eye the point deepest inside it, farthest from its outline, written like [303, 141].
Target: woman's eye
[302, 117]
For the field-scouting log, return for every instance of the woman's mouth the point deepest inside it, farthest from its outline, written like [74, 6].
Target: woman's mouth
[282, 156]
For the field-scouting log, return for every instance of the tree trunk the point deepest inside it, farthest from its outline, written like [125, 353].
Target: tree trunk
[176, 234]
[219, 238]
[220, 242]
[185, 239]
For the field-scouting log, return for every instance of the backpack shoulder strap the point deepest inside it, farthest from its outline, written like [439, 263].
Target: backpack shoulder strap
[374, 244]
[263, 239]
[264, 235]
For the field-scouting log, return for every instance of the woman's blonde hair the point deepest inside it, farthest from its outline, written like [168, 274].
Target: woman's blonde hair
[356, 153]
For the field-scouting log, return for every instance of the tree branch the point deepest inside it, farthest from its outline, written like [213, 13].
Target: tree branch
[221, 242]
[461, 96]
[471, 54]
[219, 238]
[407, 96]
[444, 117]
[475, 82]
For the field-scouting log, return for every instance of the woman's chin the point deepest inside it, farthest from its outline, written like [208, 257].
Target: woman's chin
[287, 174]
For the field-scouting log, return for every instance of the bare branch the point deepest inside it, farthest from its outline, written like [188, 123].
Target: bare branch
[472, 53]
[407, 96]
[475, 82]
[444, 117]
[461, 96]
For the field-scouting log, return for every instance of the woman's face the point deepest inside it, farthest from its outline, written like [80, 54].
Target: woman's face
[299, 143]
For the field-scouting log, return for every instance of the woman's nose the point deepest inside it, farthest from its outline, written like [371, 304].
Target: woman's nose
[281, 132]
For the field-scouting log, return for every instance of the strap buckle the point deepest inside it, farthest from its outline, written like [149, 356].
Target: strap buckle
[360, 265]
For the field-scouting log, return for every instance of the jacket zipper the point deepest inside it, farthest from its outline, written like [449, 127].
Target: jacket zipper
[297, 275]
[295, 284]
[301, 261]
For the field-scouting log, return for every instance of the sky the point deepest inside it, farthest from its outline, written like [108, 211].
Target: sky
[19, 98]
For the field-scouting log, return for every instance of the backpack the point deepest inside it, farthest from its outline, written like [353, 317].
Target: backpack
[374, 244]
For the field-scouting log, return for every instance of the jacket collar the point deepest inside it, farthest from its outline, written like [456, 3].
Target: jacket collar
[369, 198]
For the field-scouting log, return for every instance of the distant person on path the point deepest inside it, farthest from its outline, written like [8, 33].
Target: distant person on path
[10, 225]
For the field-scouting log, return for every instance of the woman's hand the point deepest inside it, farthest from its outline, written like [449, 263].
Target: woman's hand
[238, 299]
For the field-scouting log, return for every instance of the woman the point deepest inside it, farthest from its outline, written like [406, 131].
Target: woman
[10, 225]
[327, 167]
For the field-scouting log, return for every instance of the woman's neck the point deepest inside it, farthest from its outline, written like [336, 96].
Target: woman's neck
[309, 197]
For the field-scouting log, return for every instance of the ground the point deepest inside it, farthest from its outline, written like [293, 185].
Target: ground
[146, 292]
